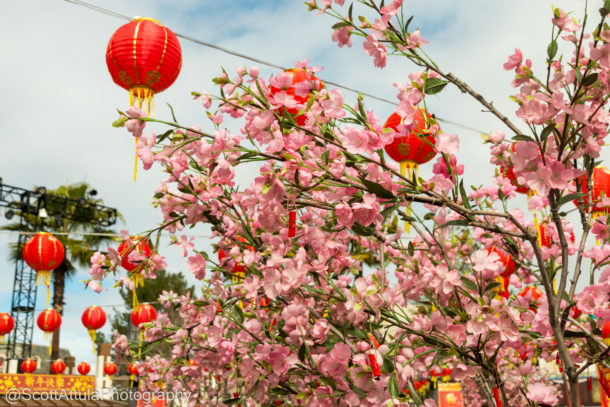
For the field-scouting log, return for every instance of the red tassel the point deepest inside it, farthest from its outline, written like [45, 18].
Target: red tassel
[292, 223]
[497, 397]
[374, 366]
[589, 383]
[375, 343]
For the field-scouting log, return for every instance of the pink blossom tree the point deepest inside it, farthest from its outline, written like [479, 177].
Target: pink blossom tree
[288, 317]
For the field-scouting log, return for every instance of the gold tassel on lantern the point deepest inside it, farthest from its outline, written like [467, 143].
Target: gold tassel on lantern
[145, 98]
[409, 169]
[44, 276]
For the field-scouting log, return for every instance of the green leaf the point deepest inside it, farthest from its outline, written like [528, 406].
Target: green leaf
[349, 12]
[411, 248]
[325, 156]
[457, 222]
[165, 135]
[469, 284]
[120, 122]
[522, 137]
[361, 230]
[302, 353]
[231, 402]
[589, 80]
[394, 387]
[569, 198]
[388, 211]
[464, 196]
[388, 365]
[578, 75]
[239, 313]
[377, 189]
[434, 86]
[546, 131]
[492, 286]
[171, 109]
[551, 50]
[340, 24]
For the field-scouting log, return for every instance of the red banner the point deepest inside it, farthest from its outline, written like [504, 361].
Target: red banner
[40, 383]
[450, 395]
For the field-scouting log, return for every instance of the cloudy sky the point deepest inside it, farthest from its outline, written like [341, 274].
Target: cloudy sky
[57, 100]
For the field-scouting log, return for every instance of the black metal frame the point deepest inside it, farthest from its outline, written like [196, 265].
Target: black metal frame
[22, 202]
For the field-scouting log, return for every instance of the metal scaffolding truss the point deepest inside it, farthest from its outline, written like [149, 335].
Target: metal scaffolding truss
[30, 206]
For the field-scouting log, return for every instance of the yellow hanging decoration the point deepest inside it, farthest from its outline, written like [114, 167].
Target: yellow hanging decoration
[409, 169]
[145, 99]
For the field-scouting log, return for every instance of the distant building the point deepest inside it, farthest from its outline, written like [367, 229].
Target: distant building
[39, 353]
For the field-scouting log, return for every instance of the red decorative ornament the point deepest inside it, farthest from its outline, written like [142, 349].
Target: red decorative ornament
[239, 270]
[129, 246]
[292, 223]
[415, 148]
[575, 312]
[28, 366]
[144, 57]
[132, 369]
[43, 253]
[6, 325]
[606, 330]
[534, 295]
[110, 369]
[505, 259]
[601, 188]
[48, 321]
[58, 367]
[298, 75]
[83, 368]
[510, 174]
[545, 239]
[374, 366]
[93, 319]
[143, 314]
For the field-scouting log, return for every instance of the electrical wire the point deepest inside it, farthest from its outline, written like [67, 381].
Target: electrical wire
[14, 232]
[261, 61]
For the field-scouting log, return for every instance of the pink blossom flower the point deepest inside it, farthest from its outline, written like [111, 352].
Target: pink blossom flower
[133, 125]
[497, 137]
[542, 393]
[196, 265]
[447, 143]
[514, 60]
[343, 36]
[223, 173]
[375, 49]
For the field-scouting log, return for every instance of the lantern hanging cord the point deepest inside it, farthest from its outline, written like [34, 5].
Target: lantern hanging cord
[260, 61]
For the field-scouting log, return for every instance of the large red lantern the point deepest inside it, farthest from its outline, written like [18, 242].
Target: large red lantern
[110, 369]
[83, 368]
[298, 76]
[6, 325]
[143, 314]
[601, 188]
[414, 148]
[93, 319]
[48, 321]
[43, 253]
[144, 57]
[129, 246]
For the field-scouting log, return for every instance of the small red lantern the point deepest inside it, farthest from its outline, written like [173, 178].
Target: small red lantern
[510, 174]
[48, 321]
[534, 293]
[415, 148]
[133, 373]
[128, 246]
[43, 253]
[298, 75]
[606, 331]
[508, 269]
[93, 319]
[545, 239]
[83, 368]
[6, 325]
[110, 369]
[601, 188]
[143, 314]
[28, 367]
[144, 57]
[58, 367]
[239, 270]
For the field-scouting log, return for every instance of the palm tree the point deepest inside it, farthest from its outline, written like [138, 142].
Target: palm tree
[79, 237]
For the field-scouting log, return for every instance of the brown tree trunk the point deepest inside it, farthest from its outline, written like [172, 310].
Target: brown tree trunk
[58, 303]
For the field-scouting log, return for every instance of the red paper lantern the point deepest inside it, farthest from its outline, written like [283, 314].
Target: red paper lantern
[606, 330]
[110, 369]
[49, 320]
[415, 148]
[534, 292]
[510, 174]
[58, 367]
[505, 259]
[601, 188]
[143, 314]
[545, 239]
[144, 57]
[6, 325]
[238, 269]
[93, 319]
[298, 75]
[28, 366]
[128, 246]
[43, 253]
[83, 368]
[132, 369]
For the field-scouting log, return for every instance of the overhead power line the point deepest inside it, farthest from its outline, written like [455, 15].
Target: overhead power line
[259, 61]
